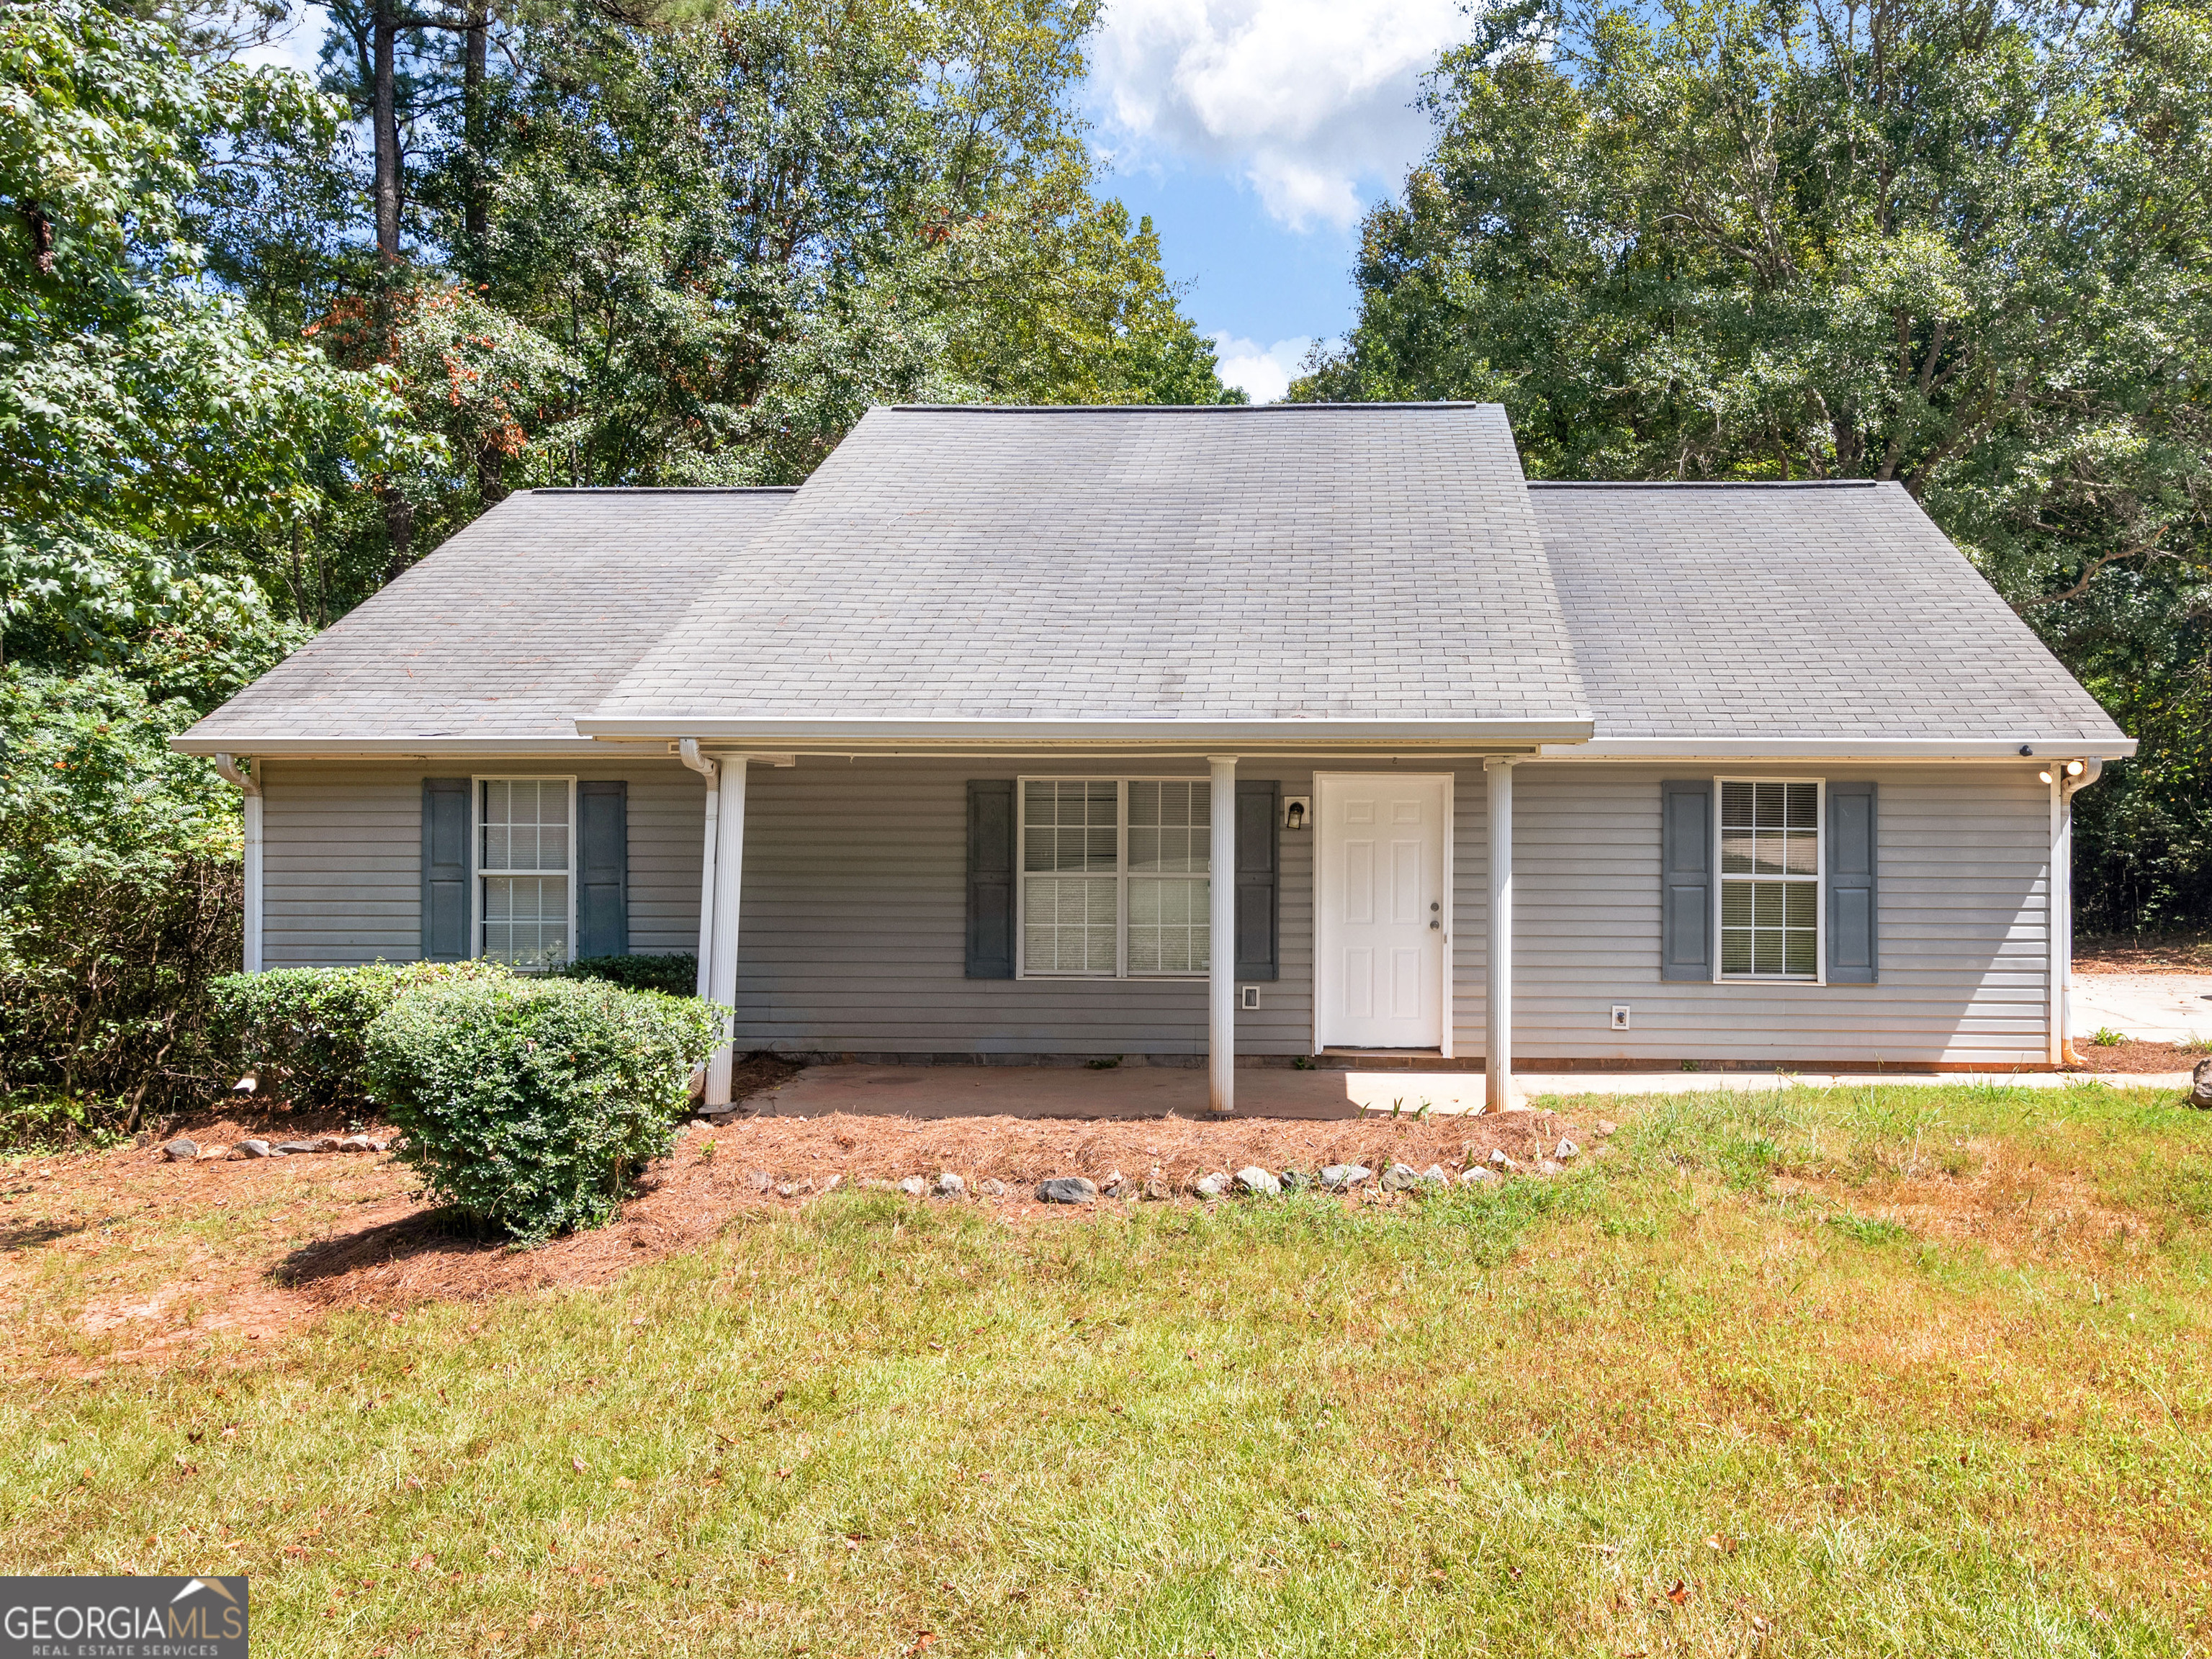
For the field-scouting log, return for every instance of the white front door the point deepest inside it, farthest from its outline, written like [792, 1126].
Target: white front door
[1383, 909]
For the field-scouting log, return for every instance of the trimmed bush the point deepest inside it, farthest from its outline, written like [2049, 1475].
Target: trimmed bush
[304, 1031]
[675, 974]
[529, 1102]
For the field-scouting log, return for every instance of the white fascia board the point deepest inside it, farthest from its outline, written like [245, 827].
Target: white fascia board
[842, 734]
[427, 743]
[1840, 749]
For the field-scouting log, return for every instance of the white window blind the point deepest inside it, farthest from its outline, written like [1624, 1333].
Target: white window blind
[1114, 876]
[1771, 873]
[524, 856]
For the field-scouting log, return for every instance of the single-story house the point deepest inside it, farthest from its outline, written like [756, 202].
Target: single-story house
[1243, 733]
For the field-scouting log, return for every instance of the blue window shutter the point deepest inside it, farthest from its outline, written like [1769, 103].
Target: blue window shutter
[1685, 878]
[1259, 821]
[991, 879]
[1854, 914]
[445, 869]
[603, 869]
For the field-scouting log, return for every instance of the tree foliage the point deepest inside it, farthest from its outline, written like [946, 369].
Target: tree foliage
[1961, 244]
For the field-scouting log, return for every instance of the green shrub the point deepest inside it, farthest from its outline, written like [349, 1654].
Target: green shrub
[304, 1031]
[119, 895]
[529, 1102]
[675, 974]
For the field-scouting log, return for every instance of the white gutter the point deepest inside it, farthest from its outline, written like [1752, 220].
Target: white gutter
[1843, 749]
[245, 783]
[689, 749]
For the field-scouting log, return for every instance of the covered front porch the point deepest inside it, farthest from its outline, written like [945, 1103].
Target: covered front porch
[1355, 852]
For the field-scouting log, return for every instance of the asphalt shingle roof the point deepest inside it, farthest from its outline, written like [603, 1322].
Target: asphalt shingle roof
[512, 628]
[1780, 611]
[1365, 562]
[1362, 562]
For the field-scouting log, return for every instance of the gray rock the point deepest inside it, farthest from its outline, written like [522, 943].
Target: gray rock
[760, 1181]
[1343, 1178]
[1607, 1127]
[214, 1154]
[1498, 1161]
[1066, 1190]
[182, 1150]
[914, 1186]
[1116, 1185]
[950, 1185]
[1566, 1150]
[1400, 1178]
[1434, 1175]
[1476, 1176]
[294, 1148]
[2200, 1084]
[1156, 1186]
[1212, 1186]
[1254, 1179]
[250, 1149]
[1549, 1166]
[992, 1189]
[1296, 1180]
[357, 1143]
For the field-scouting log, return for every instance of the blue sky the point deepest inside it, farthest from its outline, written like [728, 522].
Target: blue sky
[1255, 133]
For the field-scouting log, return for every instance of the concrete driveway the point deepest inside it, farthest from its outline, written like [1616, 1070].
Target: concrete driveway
[2149, 1007]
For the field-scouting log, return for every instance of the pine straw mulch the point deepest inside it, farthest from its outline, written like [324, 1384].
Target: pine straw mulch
[2135, 1057]
[158, 1257]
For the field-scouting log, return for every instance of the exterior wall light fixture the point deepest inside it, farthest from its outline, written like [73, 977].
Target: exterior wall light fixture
[1294, 812]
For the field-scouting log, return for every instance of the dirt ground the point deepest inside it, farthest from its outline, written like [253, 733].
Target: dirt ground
[123, 1255]
[2147, 953]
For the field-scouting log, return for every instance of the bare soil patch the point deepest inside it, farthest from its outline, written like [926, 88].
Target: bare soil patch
[129, 1257]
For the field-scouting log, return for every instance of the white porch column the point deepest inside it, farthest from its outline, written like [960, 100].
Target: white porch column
[2057, 902]
[1497, 1003]
[729, 871]
[247, 781]
[1221, 934]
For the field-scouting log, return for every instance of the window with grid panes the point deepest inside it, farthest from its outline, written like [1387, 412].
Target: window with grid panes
[524, 869]
[1770, 879]
[1114, 876]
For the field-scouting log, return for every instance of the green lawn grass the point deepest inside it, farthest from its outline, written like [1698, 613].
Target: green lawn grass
[1903, 1371]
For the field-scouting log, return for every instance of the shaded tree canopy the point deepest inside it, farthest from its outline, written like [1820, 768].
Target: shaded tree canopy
[1957, 244]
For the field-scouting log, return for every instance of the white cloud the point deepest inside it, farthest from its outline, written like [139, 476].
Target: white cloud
[296, 46]
[1308, 99]
[1260, 372]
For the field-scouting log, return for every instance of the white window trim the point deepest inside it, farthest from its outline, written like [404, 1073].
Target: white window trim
[1022, 872]
[477, 872]
[1820, 974]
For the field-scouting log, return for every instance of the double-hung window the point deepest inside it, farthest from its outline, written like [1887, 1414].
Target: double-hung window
[1771, 873]
[1115, 879]
[525, 870]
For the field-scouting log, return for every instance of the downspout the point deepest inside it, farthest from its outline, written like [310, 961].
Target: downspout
[689, 749]
[2072, 778]
[242, 780]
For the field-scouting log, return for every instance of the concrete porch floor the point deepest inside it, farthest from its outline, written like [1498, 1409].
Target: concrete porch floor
[1156, 1091]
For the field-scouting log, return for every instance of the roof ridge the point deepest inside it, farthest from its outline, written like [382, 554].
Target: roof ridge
[1705, 484]
[1166, 409]
[661, 489]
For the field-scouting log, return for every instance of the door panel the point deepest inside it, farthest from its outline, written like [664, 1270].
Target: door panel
[1383, 933]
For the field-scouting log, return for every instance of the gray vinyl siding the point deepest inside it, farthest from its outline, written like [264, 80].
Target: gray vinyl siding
[343, 850]
[853, 919]
[1963, 856]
